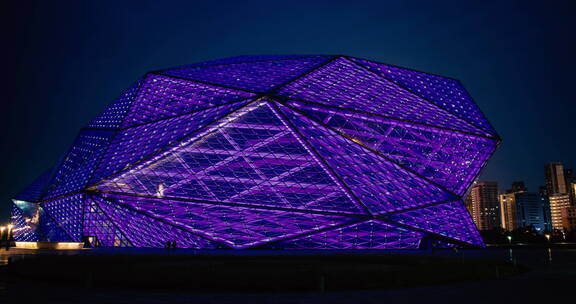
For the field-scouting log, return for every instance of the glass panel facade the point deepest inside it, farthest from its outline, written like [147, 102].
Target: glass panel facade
[276, 152]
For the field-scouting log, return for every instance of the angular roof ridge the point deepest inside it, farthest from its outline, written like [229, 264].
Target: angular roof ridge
[490, 132]
[218, 63]
[374, 151]
[433, 104]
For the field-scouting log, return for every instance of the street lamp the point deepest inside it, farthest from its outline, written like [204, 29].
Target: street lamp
[509, 237]
[547, 237]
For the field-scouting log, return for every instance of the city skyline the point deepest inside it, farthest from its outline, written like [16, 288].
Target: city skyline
[551, 208]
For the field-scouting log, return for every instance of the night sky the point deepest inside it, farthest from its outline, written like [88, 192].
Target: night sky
[66, 60]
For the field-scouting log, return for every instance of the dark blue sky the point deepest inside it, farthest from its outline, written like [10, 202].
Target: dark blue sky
[65, 60]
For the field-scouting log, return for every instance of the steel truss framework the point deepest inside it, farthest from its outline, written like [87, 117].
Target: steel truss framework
[290, 152]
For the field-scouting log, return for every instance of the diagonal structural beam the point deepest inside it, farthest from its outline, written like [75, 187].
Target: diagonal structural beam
[370, 149]
[304, 142]
[411, 91]
[161, 152]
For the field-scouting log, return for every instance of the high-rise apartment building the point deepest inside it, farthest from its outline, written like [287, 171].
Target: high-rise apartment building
[517, 187]
[569, 218]
[508, 211]
[520, 208]
[483, 202]
[559, 186]
[532, 210]
[555, 180]
[468, 204]
[571, 184]
[543, 191]
[558, 202]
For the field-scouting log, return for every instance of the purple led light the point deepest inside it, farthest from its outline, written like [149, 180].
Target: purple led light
[131, 145]
[23, 230]
[67, 212]
[144, 231]
[32, 223]
[259, 76]
[372, 234]
[113, 116]
[251, 158]
[449, 219]
[231, 226]
[450, 159]
[99, 228]
[284, 152]
[362, 90]
[36, 190]
[163, 97]
[446, 93]
[246, 59]
[82, 158]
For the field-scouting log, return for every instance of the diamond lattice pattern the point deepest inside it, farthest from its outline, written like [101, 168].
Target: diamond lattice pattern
[282, 152]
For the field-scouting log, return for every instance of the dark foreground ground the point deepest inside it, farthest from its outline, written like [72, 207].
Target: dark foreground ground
[491, 275]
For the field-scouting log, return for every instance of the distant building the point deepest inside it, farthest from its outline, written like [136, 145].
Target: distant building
[532, 210]
[517, 187]
[484, 206]
[469, 207]
[569, 218]
[568, 173]
[557, 203]
[508, 211]
[573, 193]
[571, 184]
[507, 202]
[520, 208]
[543, 190]
[555, 180]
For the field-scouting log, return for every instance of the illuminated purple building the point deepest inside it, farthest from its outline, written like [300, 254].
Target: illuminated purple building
[269, 152]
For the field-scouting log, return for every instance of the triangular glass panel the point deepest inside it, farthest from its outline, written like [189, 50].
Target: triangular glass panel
[450, 159]
[98, 228]
[134, 144]
[380, 184]
[371, 234]
[446, 93]
[75, 170]
[450, 220]
[161, 97]
[32, 223]
[251, 157]
[50, 231]
[235, 226]
[24, 229]
[344, 84]
[36, 190]
[113, 116]
[244, 59]
[67, 212]
[144, 231]
[256, 76]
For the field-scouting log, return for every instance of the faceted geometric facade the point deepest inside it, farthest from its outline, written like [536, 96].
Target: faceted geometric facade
[269, 152]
